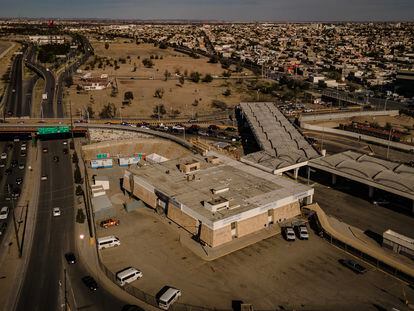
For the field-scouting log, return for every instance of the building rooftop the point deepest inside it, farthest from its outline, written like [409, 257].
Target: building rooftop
[387, 175]
[242, 186]
[282, 145]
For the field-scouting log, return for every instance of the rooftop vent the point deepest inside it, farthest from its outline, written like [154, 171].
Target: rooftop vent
[216, 203]
[220, 190]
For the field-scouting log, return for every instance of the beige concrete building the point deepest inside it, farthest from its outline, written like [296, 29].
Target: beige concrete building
[217, 198]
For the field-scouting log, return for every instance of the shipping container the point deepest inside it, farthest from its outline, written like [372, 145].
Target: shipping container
[101, 163]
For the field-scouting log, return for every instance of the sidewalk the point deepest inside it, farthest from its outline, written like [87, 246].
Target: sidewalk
[13, 268]
[87, 252]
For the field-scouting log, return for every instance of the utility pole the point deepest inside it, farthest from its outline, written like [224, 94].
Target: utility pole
[389, 141]
[66, 292]
[15, 225]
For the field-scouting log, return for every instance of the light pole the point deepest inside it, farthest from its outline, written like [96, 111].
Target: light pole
[389, 142]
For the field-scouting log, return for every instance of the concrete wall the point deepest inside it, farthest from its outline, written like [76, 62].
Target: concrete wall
[252, 224]
[175, 214]
[216, 237]
[145, 195]
[376, 140]
[346, 115]
[286, 212]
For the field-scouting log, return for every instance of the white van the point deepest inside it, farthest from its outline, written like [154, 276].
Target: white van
[108, 241]
[128, 275]
[168, 298]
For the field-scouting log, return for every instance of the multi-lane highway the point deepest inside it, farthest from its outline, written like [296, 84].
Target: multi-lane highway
[43, 286]
[50, 83]
[14, 98]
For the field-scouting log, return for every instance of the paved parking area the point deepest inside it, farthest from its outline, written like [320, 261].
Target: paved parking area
[271, 274]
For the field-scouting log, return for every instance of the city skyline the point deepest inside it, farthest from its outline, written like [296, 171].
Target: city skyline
[227, 10]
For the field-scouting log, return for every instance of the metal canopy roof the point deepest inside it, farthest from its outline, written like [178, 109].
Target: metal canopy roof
[282, 145]
[386, 175]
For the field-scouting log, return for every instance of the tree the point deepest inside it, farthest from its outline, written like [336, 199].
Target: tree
[207, 78]
[195, 103]
[163, 45]
[159, 110]
[106, 45]
[226, 74]
[80, 216]
[147, 63]
[75, 158]
[181, 80]
[79, 190]
[159, 93]
[227, 92]
[90, 111]
[128, 95]
[167, 74]
[218, 104]
[213, 59]
[195, 76]
[68, 81]
[108, 111]
[77, 175]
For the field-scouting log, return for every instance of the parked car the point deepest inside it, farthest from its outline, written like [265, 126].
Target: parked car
[16, 193]
[302, 232]
[2, 164]
[90, 282]
[4, 212]
[19, 180]
[23, 154]
[3, 226]
[45, 150]
[3, 156]
[44, 177]
[70, 258]
[56, 211]
[13, 163]
[21, 166]
[65, 151]
[289, 234]
[109, 223]
[8, 171]
[353, 265]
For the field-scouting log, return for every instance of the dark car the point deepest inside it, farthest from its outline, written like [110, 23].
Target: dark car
[70, 258]
[65, 151]
[8, 171]
[353, 265]
[90, 282]
[3, 226]
[19, 180]
[16, 192]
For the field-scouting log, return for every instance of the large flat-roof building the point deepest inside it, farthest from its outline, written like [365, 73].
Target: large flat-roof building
[217, 198]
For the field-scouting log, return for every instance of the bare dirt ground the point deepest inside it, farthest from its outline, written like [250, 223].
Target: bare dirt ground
[6, 61]
[189, 99]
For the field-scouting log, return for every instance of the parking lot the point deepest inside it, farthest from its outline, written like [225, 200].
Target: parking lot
[270, 274]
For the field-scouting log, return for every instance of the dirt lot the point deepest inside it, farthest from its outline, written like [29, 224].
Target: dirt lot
[144, 82]
[6, 60]
[303, 275]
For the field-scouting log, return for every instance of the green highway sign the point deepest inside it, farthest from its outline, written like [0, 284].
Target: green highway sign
[52, 130]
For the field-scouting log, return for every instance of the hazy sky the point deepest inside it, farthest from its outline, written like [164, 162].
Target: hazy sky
[238, 10]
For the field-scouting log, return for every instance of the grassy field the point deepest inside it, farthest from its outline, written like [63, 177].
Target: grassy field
[183, 100]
